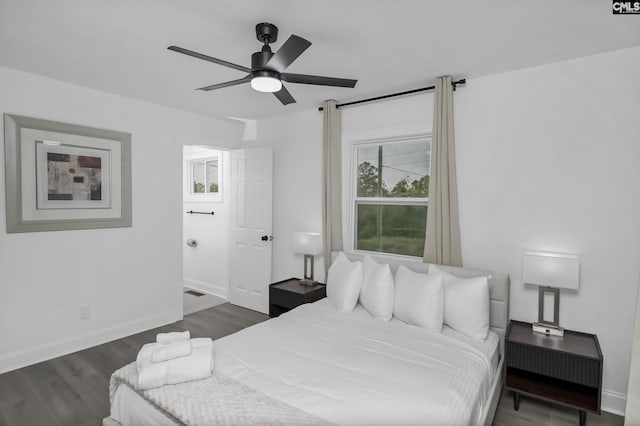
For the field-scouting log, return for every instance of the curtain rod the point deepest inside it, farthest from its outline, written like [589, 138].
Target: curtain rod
[393, 95]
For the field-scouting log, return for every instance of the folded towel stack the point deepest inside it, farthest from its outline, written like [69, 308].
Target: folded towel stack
[174, 358]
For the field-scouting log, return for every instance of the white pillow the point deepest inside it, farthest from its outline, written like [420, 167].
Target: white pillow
[344, 283]
[377, 289]
[466, 303]
[419, 299]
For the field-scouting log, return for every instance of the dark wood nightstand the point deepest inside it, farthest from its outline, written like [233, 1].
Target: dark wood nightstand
[288, 294]
[566, 370]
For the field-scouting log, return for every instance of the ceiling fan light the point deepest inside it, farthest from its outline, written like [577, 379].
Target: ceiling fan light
[266, 84]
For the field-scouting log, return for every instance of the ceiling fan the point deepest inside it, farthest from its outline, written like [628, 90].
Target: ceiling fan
[267, 68]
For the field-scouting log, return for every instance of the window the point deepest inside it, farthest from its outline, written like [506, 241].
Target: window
[204, 176]
[391, 195]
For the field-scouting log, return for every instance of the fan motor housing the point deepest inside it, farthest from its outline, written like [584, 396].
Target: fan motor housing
[259, 59]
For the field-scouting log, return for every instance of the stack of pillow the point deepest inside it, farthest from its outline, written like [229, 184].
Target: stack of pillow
[423, 300]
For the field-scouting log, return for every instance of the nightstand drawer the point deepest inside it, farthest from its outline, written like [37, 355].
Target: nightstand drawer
[286, 299]
[563, 366]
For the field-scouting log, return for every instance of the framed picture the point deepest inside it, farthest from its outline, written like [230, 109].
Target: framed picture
[63, 176]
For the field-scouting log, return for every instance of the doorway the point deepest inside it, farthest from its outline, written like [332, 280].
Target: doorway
[227, 221]
[205, 209]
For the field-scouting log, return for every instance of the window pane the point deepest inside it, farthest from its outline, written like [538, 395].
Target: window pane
[368, 171]
[212, 176]
[391, 228]
[197, 176]
[394, 170]
[405, 169]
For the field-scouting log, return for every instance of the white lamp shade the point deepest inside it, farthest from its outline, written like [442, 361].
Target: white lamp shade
[307, 243]
[551, 269]
[266, 84]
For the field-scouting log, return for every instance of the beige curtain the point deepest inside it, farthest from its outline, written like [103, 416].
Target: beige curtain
[442, 244]
[331, 182]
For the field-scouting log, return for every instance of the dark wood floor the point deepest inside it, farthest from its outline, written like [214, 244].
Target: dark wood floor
[540, 413]
[73, 389]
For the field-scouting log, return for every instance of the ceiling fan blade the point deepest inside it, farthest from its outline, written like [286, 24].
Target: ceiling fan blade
[289, 52]
[316, 79]
[209, 58]
[227, 84]
[284, 96]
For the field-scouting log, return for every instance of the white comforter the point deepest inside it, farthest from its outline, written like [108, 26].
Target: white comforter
[354, 369]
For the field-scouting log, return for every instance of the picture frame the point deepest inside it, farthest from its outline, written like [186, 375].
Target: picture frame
[61, 176]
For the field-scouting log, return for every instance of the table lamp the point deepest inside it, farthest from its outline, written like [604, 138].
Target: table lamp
[309, 244]
[551, 272]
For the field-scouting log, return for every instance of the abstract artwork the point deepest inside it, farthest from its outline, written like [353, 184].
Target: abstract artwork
[72, 177]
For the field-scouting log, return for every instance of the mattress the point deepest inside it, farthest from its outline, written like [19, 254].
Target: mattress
[353, 369]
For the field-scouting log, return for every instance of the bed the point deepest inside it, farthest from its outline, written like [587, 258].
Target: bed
[314, 365]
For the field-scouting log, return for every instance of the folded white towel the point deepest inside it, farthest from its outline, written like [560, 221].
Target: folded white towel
[152, 375]
[175, 349]
[173, 336]
[144, 355]
[198, 365]
[146, 352]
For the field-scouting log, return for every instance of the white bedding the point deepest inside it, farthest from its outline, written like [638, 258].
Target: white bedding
[354, 369]
[490, 346]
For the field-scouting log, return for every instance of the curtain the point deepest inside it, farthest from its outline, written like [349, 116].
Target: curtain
[331, 182]
[442, 243]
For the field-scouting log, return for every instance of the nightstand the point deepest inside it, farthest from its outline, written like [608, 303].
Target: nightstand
[288, 294]
[566, 370]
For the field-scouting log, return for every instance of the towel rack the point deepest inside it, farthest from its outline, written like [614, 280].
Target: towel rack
[192, 212]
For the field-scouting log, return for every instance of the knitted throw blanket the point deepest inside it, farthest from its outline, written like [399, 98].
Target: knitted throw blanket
[218, 400]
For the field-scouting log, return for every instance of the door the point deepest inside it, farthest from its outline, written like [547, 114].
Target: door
[251, 214]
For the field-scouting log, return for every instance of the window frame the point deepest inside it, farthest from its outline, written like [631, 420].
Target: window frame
[206, 196]
[354, 200]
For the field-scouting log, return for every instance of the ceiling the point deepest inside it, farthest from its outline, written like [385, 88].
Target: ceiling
[120, 46]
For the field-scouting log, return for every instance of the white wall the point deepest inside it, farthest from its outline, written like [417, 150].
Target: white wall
[206, 266]
[297, 178]
[547, 160]
[130, 277]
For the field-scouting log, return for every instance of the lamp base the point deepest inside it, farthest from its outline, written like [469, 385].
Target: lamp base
[549, 330]
[308, 282]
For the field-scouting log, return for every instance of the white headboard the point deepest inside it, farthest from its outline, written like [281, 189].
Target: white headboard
[498, 287]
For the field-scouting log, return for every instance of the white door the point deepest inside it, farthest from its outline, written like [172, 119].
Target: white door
[250, 274]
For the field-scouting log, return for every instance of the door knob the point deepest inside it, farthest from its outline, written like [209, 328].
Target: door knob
[266, 238]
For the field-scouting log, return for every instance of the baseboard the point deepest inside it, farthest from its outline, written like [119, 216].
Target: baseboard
[38, 353]
[614, 402]
[215, 289]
